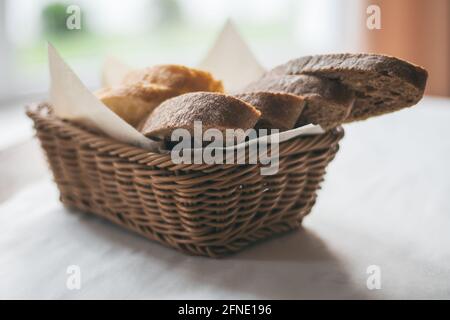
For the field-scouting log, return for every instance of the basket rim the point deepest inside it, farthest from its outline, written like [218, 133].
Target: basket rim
[42, 116]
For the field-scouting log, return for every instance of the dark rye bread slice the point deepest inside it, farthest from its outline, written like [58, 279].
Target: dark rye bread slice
[278, 110]
[381, 83]
[214, 110]
[328, 102]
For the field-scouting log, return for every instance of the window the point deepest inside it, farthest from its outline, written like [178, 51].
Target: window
[144, 32]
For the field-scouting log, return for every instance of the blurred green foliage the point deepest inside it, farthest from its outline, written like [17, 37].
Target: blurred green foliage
[54, 17]
[169, 12]
[172, 32]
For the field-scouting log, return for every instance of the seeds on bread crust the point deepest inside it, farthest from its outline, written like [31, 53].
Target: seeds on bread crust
[278, 110]
[214, 110]
[328, 102]
[381, 83]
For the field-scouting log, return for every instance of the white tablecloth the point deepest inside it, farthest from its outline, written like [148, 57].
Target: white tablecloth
[385, 202]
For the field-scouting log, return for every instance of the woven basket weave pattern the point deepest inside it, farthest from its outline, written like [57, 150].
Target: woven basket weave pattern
[209, 210]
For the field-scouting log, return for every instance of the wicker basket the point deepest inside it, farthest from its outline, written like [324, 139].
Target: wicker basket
[209, 210]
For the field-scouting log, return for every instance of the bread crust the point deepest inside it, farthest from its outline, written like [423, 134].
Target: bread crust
[328, 102]
[181, 78]
[214, 110]
[143, 90]
[134, 102]
[279, 110]
[381, 83]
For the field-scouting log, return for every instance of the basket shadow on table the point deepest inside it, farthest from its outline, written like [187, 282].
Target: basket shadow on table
[295, 265]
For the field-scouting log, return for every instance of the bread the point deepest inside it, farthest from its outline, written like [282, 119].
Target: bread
[143, 90]
[381, 83]
[278, 110]
[134, 102]
[328, 102]
[177, 77]
[214, 110]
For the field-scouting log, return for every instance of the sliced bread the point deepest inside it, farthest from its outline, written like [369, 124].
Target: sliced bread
[214, 110]
[278, 110]
[381, 83]
[328, 102]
